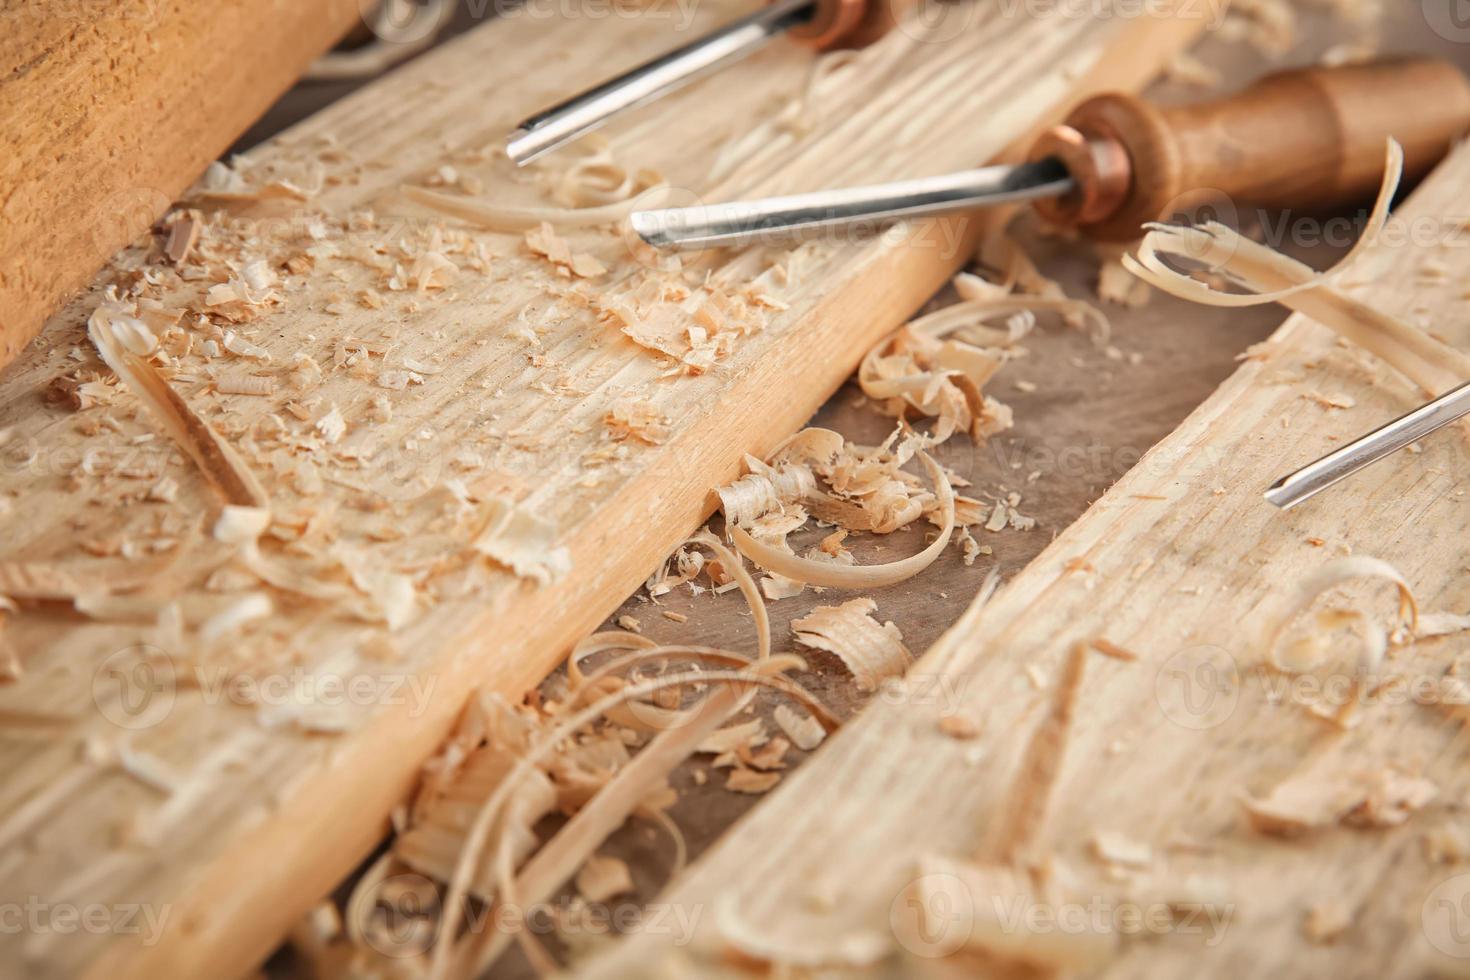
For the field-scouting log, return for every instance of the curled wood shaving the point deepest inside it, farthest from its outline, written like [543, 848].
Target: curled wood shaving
[641, 649]
[916, 368]
[431, 844]
[731, 738]
[629, 789]
[825, 573]
[1302, 655]
[222, 182]
[763, 673]
[1213, 245]
[498, 217]
[872, 652]
[254, 605]
[596, 178]
[765, 489]
[1273, 277]
[125, 344]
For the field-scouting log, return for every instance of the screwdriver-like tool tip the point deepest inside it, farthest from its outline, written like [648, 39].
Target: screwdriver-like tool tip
[1384, 441]
[518, 148]
[1285, 495]
[650, 228]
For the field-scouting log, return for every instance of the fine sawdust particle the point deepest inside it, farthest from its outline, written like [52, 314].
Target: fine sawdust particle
[1324, 923]
[635, 419]
[959, 727]
[1117, 848]
[1337, 400]
[804, 731]
[545, 242]
[603, 877]
[522, 542]
[742, 780]
[1110, 649]
[1115, 284]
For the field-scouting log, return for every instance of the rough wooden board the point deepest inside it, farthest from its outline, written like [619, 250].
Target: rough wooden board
[1158, 751]
[267, 820]
[112, 109]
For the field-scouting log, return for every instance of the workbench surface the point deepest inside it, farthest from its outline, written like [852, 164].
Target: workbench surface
[1084, 414]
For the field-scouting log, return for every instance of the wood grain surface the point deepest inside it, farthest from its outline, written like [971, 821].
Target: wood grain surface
[234, 824]
[111, 110]
[1182, 563]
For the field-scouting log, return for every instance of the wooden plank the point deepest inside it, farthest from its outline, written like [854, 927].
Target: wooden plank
[113, 109]
[1182, 563]
[250, 823]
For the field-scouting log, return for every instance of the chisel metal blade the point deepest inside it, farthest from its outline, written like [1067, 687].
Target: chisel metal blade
[779, 219]
[1315, 477]
[585, 112]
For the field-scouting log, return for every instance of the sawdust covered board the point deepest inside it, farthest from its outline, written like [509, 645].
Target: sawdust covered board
[1210, 811]
[217, 707]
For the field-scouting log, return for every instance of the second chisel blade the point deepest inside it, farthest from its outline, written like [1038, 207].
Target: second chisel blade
[777, 220]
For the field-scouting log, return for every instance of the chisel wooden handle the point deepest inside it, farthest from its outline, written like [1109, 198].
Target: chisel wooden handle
[1308, 139]
[849, 23]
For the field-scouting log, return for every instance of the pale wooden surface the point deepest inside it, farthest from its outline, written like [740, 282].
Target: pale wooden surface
[111, 110]
[1186, 581]
[1089, 420]
[264, 821]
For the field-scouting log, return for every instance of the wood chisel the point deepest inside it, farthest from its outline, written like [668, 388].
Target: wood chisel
[1305, 139]
[819, 24]
[1384, 441]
